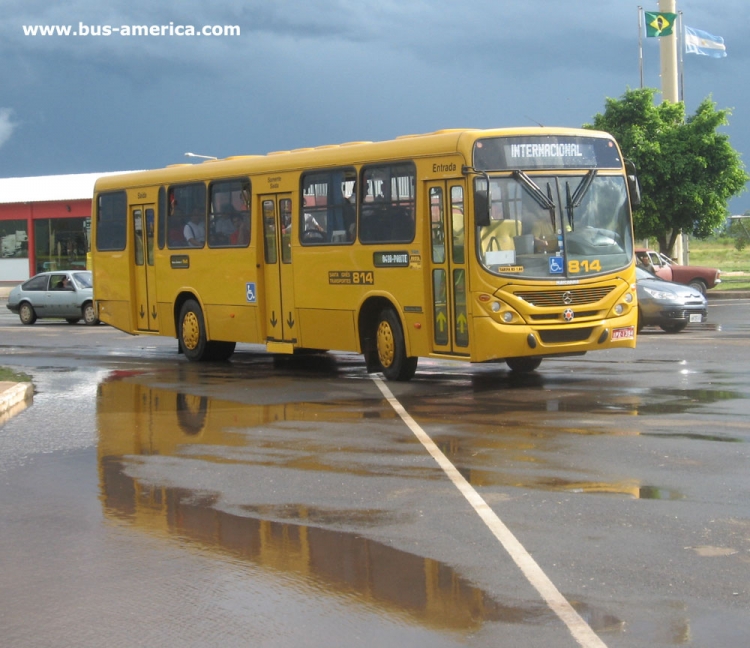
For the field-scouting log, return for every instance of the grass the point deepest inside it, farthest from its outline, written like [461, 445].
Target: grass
[8, 375]
[719, 252]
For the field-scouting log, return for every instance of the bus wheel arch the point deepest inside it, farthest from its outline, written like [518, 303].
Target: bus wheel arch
[192, 332]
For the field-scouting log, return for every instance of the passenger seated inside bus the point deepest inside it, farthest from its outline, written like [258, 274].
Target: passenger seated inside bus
[221, 224]
[312, 230]
[499, 234]
[241, 232]
[195, 230]
[545, 237]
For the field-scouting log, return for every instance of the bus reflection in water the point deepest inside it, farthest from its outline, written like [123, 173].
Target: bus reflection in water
[478, 245]
[136, 421]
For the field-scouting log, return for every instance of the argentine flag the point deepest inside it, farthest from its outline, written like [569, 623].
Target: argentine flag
[700, 42]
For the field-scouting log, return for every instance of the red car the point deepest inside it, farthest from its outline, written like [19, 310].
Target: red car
[662, 266]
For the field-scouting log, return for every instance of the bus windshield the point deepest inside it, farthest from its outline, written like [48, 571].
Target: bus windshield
[548, 226]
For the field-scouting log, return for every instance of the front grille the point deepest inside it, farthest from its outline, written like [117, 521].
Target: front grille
[559, 336]
[685, 314]
[565, 296]
[551, 317]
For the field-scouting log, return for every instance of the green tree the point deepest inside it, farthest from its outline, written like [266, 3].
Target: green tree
[688, 170]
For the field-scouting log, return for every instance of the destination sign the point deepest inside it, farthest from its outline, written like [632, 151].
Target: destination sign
[545, 152]
[398, 259]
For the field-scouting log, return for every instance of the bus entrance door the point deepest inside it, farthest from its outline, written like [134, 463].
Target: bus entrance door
[144, 300]
[280, 321]
[450, 323]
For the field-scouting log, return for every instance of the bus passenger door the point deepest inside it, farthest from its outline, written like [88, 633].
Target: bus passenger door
[144, 281]
[281, 322]
[448, 253]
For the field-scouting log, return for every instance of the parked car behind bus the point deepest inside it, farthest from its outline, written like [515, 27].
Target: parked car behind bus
[65, 294]
[698, 277]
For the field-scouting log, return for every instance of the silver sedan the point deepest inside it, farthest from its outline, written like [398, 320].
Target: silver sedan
[670, 306]
[66, 294]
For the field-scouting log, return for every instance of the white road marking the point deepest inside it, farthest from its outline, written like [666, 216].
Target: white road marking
[580, 630]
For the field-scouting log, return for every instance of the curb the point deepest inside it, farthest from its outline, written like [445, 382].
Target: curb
[727, 294]
[14, 397]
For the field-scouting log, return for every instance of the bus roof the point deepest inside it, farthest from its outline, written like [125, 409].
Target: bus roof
[441, 142]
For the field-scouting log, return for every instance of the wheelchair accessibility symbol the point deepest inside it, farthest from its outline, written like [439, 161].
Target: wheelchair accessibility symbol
[555, 265]
[250, 292]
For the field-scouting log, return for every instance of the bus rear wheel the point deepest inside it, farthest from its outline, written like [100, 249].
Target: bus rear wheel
[192, 331]
[391, 348]
[219, 351]
[193, 340]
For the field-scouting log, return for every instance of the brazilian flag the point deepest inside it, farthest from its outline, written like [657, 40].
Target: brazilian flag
[659, 24]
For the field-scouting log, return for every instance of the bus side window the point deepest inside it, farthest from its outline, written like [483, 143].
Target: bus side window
[387, 204]
[185, 201]
[162, 218]
[229, 215]
[328, 210]
[111, 221]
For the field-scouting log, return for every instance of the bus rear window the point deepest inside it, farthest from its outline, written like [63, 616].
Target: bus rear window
[111, 221]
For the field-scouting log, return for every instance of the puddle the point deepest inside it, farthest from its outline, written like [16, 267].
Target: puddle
[145, 430]
[345, 564]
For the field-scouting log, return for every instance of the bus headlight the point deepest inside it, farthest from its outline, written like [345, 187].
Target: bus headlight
[501, 312]
[629, 298]
[619, 309]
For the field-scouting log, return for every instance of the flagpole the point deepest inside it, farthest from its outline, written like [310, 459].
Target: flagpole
[640, 43]
[668, 50]
[681, 62]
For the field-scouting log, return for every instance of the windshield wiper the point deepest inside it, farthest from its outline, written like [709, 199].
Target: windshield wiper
[577, 197]
[543, 200]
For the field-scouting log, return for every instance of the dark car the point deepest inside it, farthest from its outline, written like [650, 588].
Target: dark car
[699, 277]
[668, 305]
[66, 294]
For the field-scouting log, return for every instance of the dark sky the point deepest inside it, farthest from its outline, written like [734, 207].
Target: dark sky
[310, 72]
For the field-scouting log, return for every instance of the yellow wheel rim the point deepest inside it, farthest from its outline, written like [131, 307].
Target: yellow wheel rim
[386, 347]
[191, 330]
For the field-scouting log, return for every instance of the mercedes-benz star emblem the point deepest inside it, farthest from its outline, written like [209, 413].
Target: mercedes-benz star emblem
[567, 297]
[568, 314]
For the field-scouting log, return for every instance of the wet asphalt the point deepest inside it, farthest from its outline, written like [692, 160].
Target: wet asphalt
[147, 501]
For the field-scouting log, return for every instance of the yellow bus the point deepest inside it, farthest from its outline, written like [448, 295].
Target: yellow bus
[478, 245]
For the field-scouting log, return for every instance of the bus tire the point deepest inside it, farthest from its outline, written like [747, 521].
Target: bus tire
[391, 348]
[192, 331]
[525, 364]
[219, 351]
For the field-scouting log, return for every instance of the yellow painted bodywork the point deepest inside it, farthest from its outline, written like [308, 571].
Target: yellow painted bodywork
[298, 305]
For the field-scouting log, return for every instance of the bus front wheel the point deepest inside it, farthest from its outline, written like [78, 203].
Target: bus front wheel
[391, 348]
[523, 365]
[192, 331]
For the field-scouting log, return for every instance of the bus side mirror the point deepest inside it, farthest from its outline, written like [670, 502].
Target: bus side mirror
[481, 208]
[634, 188]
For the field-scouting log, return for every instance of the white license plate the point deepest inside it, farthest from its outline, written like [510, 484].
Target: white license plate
[696, 317]
[627, 333]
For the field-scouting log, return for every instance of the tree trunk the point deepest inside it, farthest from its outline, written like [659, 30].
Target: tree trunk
[666, 242]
